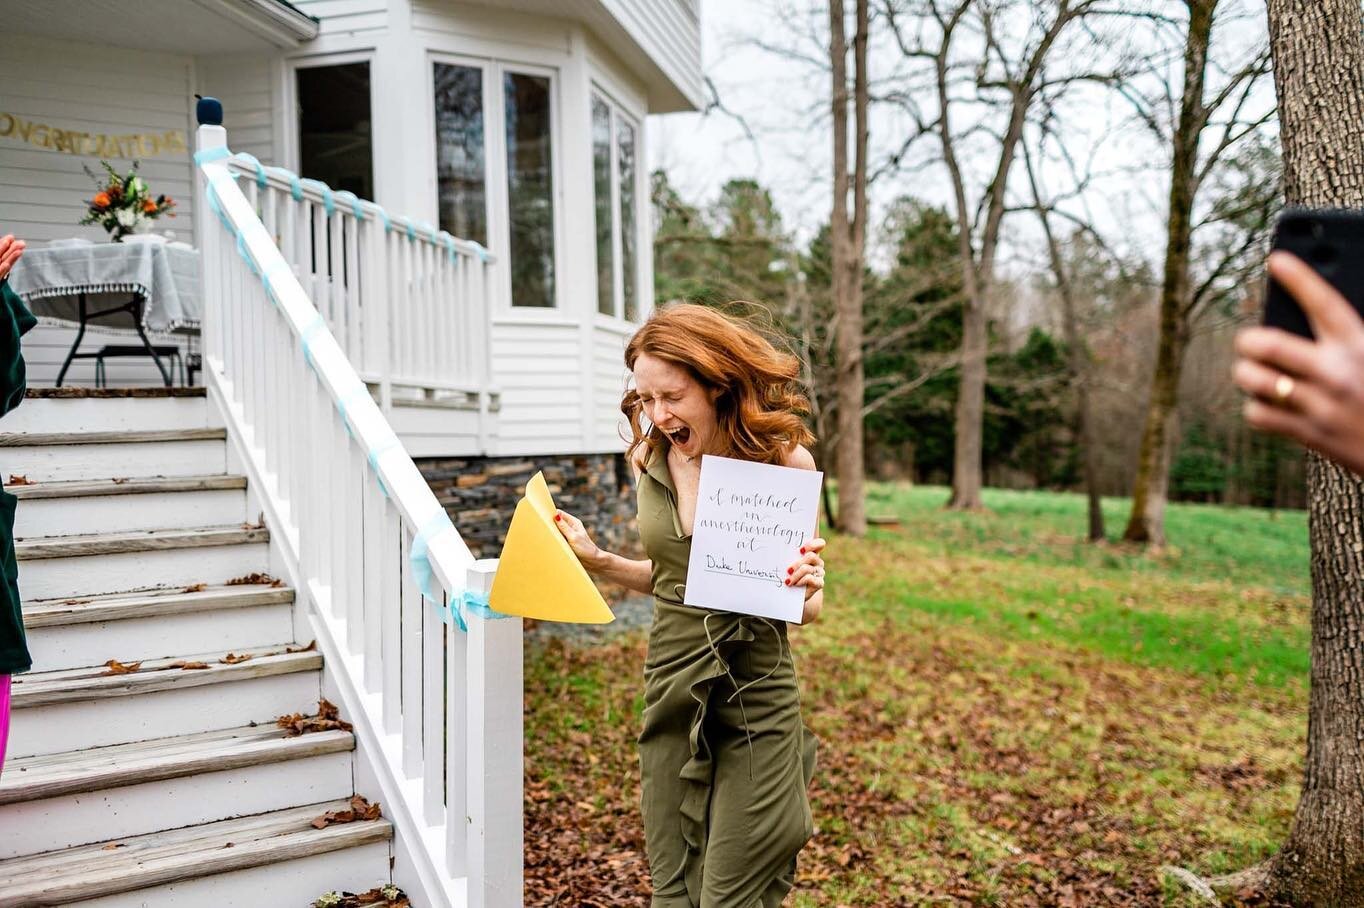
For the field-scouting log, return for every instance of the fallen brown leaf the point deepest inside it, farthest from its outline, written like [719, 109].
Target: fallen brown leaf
[360, 809]
[188, 666]
[195, 588]
[302, 649]
[233, 658]
[327, 718]
[112, 846]
[253, 578]
[119, 668]
[17, 480]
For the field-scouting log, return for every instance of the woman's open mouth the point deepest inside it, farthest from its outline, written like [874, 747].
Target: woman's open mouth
[679, 436]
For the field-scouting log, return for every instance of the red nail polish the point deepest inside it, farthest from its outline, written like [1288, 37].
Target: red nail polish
[558, 517]
[787, 582]
[790, 570]
[802, 550]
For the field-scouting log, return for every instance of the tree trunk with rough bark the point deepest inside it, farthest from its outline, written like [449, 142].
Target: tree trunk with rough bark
[1150, 489]
[1319, 74]
[849, 242]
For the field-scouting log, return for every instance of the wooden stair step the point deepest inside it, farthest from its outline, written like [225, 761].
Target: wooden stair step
[93, 769]
[96, 682]
[85, 488]
[130, 436]
[137, 541]
[154, 604]
[75, 393]
[90, 871]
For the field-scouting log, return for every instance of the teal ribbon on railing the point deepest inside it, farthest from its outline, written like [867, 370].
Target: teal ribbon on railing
[483, 254]
[378, 451]
[383, 216]
[295, 184]
[279, 266]
[249, 158]
[245, 254]
[308, 334]
[450, 246]
[420, 557]
[205, 155]
[328, 197]
[411, 230]
[343, 404]
[350, 198]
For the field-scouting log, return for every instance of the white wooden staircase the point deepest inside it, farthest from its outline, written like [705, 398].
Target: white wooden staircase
[170, 784]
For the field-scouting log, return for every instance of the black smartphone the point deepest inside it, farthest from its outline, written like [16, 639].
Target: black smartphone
[1332, 242]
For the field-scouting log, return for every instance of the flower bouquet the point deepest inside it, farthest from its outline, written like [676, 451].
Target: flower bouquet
[123, 204]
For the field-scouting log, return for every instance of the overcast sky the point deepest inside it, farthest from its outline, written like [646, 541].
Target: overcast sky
[784, 103]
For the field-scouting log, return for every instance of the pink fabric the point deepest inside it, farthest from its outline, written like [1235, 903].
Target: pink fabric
[4, 717]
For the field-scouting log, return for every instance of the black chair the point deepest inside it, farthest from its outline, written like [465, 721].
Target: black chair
[122, 350]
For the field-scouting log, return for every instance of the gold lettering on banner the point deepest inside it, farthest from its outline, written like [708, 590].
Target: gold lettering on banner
[101, 145]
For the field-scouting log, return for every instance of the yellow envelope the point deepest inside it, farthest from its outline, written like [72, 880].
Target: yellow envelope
[538, 576]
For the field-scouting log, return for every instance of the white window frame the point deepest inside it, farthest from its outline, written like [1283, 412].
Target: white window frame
[496, 189]
[599, 88]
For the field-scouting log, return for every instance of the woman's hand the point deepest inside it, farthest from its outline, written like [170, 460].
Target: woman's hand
[809, 573]
[1312, 392]
[582, 545]
[813, 606]
[10, 250]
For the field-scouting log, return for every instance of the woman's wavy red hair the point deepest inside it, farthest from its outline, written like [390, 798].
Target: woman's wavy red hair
[760, 403]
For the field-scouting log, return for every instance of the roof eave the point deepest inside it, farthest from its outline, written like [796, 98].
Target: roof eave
[277, 21]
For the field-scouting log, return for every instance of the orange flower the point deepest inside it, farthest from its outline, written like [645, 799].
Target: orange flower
[101, 200]
[149, 206]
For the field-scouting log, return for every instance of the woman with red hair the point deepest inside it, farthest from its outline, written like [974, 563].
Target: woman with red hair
[725, 758]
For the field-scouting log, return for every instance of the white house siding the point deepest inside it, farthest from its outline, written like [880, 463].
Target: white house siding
[340, 17]
[97, 90]
[492, 31]
[608, 378]
[669, 31]
[247, 88]
[538, 368]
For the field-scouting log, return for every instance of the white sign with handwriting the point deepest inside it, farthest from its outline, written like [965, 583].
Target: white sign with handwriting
[751, 519]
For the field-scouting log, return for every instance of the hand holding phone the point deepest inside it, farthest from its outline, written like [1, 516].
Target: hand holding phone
[1308, 390]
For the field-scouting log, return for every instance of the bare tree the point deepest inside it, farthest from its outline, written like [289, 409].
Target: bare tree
[1078, 360]
[1224, 112]
[1004, 74]
[1319, 75]
[849, 252]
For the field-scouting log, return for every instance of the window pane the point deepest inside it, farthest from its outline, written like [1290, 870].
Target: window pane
[601, 178]
[460, 165]
[625, 142]
[530, 189]
[334, 127]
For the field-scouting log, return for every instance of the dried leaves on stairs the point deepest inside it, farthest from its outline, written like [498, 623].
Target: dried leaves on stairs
[360, 809]
[327, 718]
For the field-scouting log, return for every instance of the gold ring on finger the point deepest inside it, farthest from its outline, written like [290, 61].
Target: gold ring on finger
[1283, 388]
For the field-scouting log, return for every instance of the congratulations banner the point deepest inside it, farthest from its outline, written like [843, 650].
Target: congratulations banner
[99, 145]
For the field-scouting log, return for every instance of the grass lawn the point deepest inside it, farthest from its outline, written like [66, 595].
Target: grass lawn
[1007, 715]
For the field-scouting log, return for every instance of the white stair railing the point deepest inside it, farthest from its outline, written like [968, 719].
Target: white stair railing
[407, 303]
[437, 709]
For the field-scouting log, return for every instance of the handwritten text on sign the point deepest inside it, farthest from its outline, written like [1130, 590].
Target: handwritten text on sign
[751, 519]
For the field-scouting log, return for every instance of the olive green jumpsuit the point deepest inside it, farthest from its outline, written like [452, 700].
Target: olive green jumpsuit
[725, 759]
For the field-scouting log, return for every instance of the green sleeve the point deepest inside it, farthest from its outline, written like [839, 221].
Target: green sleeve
[15, 322]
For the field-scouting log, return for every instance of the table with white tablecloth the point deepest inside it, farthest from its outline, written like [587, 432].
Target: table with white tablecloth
[144, 286]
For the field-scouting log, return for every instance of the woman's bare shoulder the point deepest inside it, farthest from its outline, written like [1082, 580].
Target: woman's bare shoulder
[800, 458]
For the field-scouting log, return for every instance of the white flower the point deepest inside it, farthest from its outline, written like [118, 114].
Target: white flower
[126, 217]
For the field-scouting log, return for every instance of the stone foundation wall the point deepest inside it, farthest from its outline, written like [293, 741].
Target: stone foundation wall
[480, 495]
